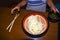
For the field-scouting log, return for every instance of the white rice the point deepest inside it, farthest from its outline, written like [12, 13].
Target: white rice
[34, 26]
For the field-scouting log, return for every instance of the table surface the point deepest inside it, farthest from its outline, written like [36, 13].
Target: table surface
[17, 32]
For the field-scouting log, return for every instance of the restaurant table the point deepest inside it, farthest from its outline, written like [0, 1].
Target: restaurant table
[17, 32]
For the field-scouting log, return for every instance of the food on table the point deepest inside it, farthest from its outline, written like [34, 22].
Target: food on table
[35, 24]
[53, 16]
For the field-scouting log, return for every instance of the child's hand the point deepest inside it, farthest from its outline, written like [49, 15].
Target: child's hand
[15, 8]
[54, 9]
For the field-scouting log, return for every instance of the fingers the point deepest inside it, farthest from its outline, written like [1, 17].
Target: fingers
[55, 9]
[16, 8]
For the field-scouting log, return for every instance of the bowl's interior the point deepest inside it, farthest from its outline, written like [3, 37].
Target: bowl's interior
[43, 19]
[53, 16]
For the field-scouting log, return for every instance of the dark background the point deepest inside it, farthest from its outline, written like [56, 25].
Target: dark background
[10, 3]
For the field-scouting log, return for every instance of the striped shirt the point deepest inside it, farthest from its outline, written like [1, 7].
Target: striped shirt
[36, 2]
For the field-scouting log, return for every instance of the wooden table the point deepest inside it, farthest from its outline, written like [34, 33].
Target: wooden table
[17, 32]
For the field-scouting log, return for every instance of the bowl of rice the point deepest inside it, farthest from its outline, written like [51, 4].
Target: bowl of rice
[35, 25]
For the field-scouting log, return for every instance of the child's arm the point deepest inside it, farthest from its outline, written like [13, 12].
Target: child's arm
[19, 6]
[51, 5]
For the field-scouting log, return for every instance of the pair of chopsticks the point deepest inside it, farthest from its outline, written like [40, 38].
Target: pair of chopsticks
[12, 22]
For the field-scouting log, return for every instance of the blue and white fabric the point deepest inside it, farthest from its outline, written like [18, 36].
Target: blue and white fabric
[37, 5]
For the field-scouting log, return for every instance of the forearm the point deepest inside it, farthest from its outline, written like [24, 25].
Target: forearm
[50, 3]
[22, 3]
